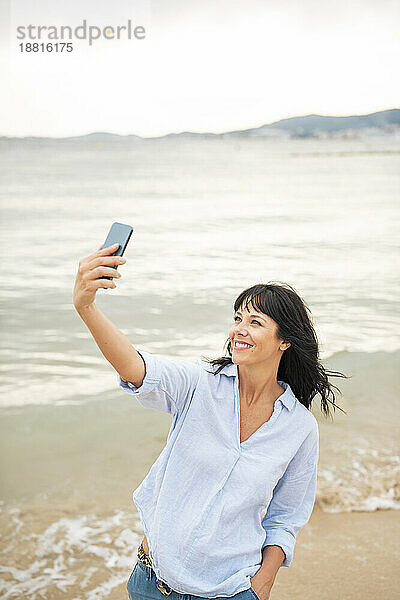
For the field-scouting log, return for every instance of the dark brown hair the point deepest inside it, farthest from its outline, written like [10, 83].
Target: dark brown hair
[300, 366]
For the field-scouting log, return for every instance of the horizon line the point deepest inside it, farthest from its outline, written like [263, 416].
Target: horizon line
[211, 133]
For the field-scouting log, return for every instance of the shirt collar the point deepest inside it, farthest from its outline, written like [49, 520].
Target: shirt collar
[288, 399]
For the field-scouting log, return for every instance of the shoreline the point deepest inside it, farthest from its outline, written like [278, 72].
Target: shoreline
[338, 556]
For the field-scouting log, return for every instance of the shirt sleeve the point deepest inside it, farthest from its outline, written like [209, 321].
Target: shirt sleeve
[167, 384]
[293, 498]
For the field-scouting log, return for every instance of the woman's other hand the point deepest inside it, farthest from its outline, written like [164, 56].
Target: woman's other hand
[261, 587]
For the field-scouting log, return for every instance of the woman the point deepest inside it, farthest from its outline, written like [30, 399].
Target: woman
[242, 434]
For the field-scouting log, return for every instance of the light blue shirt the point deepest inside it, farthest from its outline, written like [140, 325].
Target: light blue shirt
[201, 502]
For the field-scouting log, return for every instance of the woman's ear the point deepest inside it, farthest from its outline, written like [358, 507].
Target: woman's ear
[285, 345]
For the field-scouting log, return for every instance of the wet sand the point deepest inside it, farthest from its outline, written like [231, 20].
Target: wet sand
[338, 556]
[344, 556]
[78, 538]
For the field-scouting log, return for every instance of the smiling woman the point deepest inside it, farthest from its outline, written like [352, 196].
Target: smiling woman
[272, 338]
[264, 386]
[241, 436]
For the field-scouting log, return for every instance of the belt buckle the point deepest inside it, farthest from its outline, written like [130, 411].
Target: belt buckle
[163, 587]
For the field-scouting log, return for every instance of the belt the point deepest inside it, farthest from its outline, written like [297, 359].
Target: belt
[161, 585]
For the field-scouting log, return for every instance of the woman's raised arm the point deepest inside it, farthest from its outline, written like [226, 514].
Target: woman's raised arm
[114, 345]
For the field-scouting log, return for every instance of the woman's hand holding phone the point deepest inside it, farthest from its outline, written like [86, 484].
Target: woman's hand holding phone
[87, 281]
[113, 344]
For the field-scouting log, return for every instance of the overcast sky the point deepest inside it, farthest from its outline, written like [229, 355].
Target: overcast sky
[203, 66]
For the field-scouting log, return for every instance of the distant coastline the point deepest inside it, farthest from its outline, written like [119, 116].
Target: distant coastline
[383, 123]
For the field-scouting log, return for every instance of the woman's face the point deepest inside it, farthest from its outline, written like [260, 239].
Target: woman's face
[253, 337]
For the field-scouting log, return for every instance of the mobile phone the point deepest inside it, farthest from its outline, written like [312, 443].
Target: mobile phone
[119, 234]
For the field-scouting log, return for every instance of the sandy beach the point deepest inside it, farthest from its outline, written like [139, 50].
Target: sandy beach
[346, 556]
[342, 556]
[73, 446]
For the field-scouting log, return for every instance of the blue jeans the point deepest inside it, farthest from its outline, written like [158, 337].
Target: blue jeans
[142, 586]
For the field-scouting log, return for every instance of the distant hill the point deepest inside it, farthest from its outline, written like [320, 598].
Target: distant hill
[316, 125]
[385, 122]
[102, 136]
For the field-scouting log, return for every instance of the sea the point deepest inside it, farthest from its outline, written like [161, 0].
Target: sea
[211, 216]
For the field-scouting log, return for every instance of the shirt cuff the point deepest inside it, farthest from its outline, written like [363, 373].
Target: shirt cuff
[283, 539]
[151, 378]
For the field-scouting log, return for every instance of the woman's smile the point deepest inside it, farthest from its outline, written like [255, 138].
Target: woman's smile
[239, 345]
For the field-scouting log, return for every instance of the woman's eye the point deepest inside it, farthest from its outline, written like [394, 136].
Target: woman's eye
[253, 321]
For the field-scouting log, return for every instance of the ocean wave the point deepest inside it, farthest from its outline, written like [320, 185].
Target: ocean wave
[371, 481]
[46, 552]
[61, 550]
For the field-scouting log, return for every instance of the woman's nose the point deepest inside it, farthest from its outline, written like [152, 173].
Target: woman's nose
[241, 329]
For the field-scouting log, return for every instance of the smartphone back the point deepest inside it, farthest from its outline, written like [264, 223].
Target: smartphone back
[119, 234]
